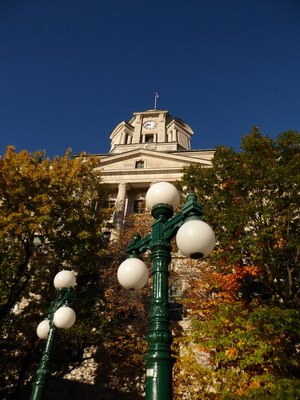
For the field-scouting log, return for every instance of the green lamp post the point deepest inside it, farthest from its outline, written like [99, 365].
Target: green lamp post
[194, 239]
[59, 315]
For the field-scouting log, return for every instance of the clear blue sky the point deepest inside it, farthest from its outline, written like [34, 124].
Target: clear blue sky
[71, 70]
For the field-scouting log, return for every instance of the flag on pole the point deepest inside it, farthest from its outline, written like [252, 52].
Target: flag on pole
[155, 99]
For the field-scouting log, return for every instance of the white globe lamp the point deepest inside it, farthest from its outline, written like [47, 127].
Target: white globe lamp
[64, 317]
[195, 239]
[162, 192]
[64, 279]
[133, 274]
[43, 329]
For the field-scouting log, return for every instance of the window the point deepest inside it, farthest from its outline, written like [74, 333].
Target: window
[108, 204]
[106, 236]
[76, 354]
[175, 306]
[175, 291]
[139, 164]
[149, 138]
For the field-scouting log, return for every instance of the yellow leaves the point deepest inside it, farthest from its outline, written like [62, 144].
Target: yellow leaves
[191, 379]
[249, 327]
[50, 198]
[83, 235]
[127, 351]
[46, 209]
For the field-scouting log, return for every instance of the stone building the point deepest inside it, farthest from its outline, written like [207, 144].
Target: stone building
[151, 147]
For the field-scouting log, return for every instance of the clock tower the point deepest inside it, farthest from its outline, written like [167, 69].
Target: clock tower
[151, 147]
[153, 130]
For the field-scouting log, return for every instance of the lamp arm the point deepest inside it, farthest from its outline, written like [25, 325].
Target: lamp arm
[171, 227]
[191, 210]
[64, 298]
[138, 246]
[168, 229]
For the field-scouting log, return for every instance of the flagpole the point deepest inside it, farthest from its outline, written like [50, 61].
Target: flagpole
[155, 99]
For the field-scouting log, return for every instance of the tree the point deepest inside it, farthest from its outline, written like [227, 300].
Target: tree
[247, 316]
[251, 199]
[59, 203]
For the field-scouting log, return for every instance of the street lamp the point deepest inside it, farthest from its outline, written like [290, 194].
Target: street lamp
[59, 315]
[194, 239]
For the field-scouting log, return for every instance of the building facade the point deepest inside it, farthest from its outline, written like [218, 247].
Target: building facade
[151, 147]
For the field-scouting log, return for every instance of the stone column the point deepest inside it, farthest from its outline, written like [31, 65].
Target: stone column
[175, 138]
[120, 206]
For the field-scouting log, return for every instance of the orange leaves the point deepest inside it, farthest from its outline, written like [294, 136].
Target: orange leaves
[280, 243]
[228, 283]
[230, 352]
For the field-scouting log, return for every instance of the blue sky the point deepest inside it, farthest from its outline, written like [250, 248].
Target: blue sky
[71, 70]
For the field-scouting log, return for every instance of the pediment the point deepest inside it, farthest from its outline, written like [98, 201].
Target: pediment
[152, 160]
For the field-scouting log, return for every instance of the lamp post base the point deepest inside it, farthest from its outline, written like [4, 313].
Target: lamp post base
[159, 377]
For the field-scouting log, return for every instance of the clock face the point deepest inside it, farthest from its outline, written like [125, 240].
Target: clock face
[149, 124]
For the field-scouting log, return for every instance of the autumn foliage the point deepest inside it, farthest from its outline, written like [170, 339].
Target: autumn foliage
[244, 307]
[59, 202]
